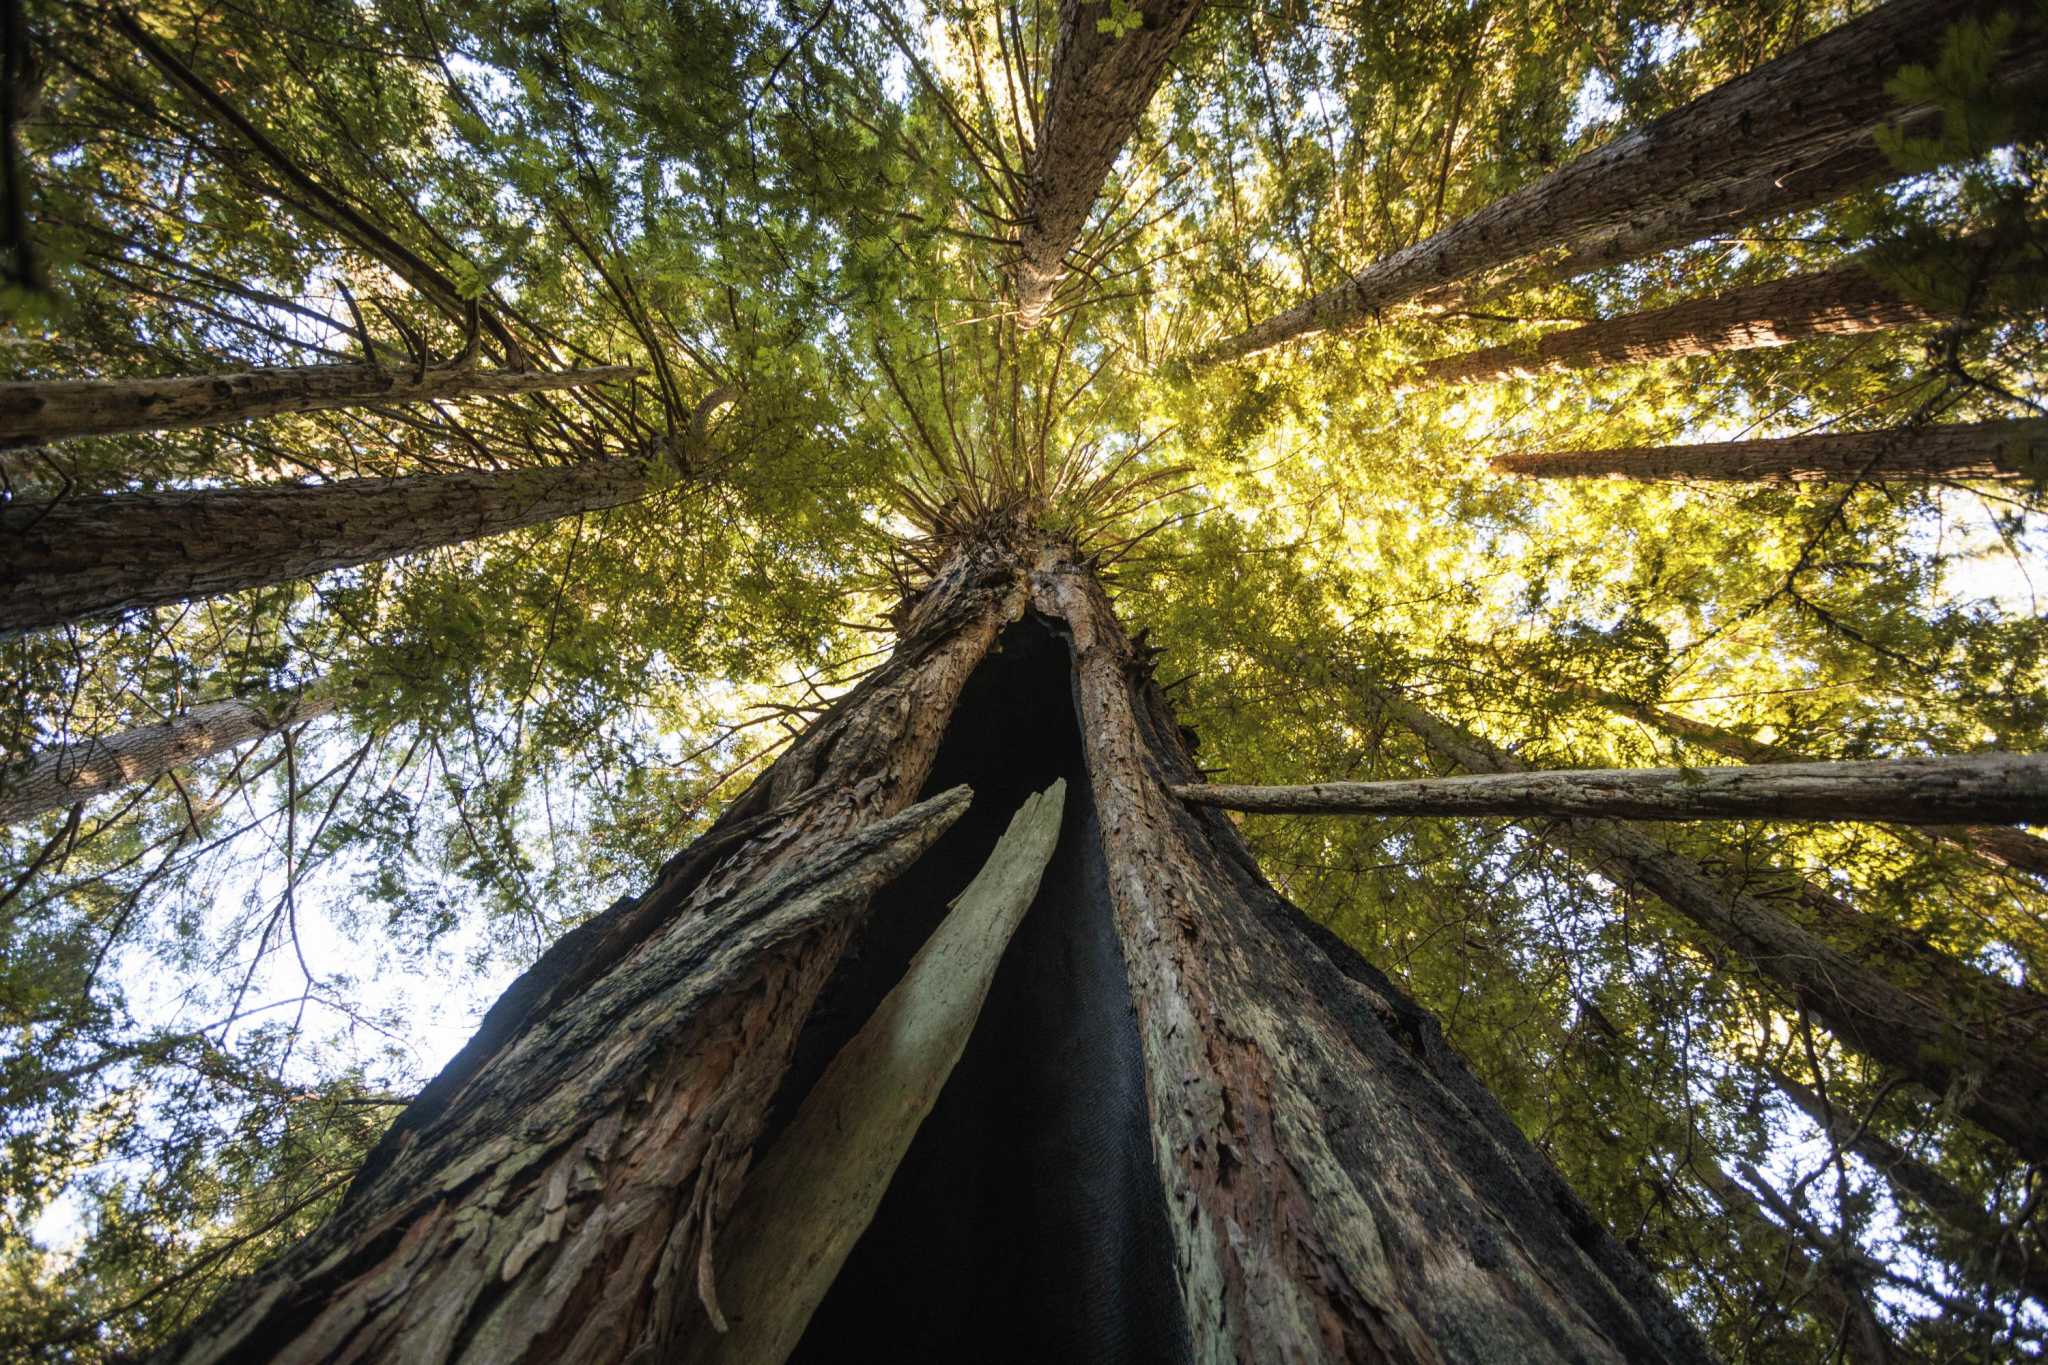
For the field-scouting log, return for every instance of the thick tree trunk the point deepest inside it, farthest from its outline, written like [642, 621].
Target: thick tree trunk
[1793, 133]
[2000, 1253]
[1974, 450]
[94, 767]
[1339, 1187]
[1934, 791]
[1915, 1010]
[2000, 845]
[554, 1194]
[1846, 302]
[35, 412]
[87, 556]
[1102, 79]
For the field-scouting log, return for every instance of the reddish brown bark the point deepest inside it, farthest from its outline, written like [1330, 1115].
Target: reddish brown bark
[1793, 133]
[38, 411]
[1847, 302]
[1976, 450]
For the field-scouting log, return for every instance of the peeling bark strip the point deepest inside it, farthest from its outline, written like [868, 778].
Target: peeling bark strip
[1847, 302]
[551, 1194]
[1793, 133]
[2008, 788]
[96, 766]
[2000, 845]
[1340, 1187]
[90, 556]
[1953, 1029]
[35, 412]
[1102, 80]
[1973, 450]
[819, 1185]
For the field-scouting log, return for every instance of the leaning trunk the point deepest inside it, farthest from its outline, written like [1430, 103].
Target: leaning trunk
[1791, 134]
[1102, 78]
[93, 767]
[35, 412]
[1953, 1029]
[554, 1193]
[1846, 302]
[88, 556]
[2001, 451]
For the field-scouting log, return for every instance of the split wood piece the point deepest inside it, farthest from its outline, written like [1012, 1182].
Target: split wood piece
[1998, 845]
[95, 766]
[1109, 60]
[604, 1157]
[1793, 133]
[80, 557]
[817, 1189]
[1338, 1185]
[1987, 788]
[1953, 1031]
[2000, 451]
[38, 411]
[1846, 302]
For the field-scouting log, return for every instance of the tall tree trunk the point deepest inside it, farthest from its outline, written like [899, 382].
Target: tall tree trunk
[554, 1193]
[1954, 1029]
[38, 411]
[1103, 76]
[1972, 450]
[1339, 1186]
[86, 556]
[2001, 845]
[1846, 302]
[1793, 133]
[1999, 1252]
[93, 767]
[2010, 787]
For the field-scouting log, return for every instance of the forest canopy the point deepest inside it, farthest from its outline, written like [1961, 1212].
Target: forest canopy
[449, 451]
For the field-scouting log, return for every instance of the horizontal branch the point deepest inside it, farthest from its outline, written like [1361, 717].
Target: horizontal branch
[2002, 451]
[1984, 788]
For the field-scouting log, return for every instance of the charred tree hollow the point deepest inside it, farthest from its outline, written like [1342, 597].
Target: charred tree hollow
[1027, 1222]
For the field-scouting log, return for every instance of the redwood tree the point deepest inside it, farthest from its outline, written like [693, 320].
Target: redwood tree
[1997, 451]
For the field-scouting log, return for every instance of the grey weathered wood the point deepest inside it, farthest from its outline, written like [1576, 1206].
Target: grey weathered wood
[811, 1197]
[1982, 788]
[1793, 133]
[2001, 451]
[38, 411]
[97, 765]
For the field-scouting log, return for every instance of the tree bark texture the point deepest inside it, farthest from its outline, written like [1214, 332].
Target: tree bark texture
[88, 556]
[1999, 1252]
[1101, 83]
[1846, 302]
[1791, 134]
[93, 767]
[2000, 845]
[2002, 451]
[38, 411]
[1954, 1030]
[1989, 787]
[1340, 1188]
[555, 1193]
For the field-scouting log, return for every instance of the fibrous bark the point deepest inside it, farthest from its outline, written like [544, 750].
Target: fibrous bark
[1992, 1063]
[96, 766]
[1793, 133]
[2001, 451]
[88, 556]
[1847, 302]
[1988, 787]
[2001, 845]
[554, 1193]
[2001, 1253]
[35, 412]
[1340, 1187]
[1103, 76]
